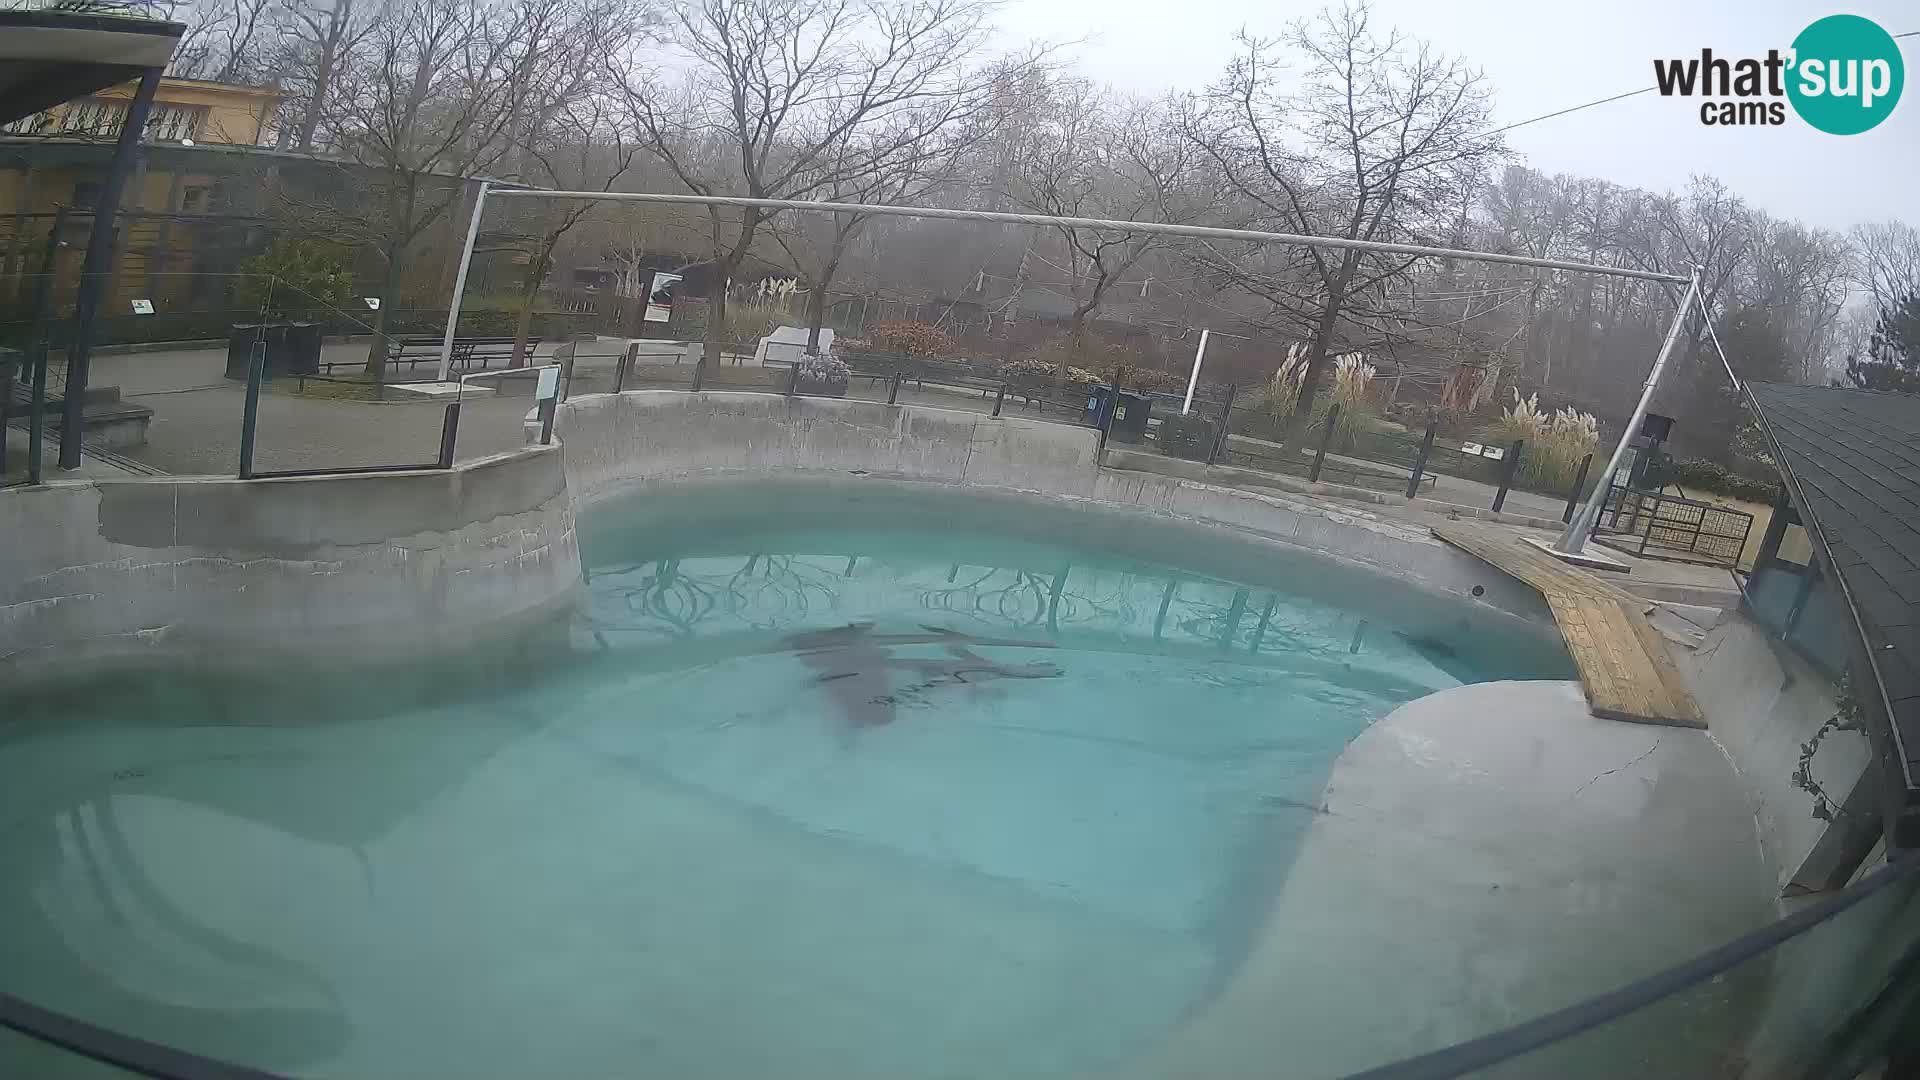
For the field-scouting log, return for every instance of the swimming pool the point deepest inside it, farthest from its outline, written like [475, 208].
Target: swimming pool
[820, 780]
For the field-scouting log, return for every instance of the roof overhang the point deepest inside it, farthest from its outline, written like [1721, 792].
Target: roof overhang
[47, 57]
[1891, 726]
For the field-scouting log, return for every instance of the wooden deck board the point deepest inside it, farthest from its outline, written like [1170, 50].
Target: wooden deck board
[1624, 667]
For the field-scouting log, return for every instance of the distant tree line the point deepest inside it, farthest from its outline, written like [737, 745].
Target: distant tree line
[1335, 126]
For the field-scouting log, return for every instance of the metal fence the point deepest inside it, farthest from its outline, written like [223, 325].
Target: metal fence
[1662, 526]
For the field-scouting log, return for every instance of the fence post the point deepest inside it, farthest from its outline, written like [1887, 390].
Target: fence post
[1507, 474]
[250, 413]
[621, 369]
[1320, 455]
[1420, 460]
[893, 389]
[999, 399]
[37, 414]
[1579, 482]
[1226, 419]
[793, 379]
[449, 432]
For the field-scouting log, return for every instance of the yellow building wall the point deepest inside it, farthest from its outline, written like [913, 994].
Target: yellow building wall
[235, 114]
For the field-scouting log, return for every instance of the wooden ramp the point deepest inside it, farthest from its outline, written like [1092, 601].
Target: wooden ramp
[1623, 662]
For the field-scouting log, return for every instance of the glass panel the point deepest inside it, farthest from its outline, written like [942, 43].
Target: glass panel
[1838, 1001]
[24, 1057]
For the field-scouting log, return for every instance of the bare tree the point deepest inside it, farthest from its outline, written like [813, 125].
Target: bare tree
[588, 145]
[1376, 145]
[783, 97]
[424, 106]
[1101, 156]
[321, 38]
[1889, 262]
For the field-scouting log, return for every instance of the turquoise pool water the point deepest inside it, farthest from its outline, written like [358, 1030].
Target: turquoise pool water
[818, 782]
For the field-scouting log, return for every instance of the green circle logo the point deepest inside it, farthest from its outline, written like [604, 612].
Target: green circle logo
[1846, 74]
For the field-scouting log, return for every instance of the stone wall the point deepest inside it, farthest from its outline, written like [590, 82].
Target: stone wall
[219, 572]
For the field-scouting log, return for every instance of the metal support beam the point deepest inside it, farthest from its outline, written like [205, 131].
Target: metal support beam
[1107, 224]
[460, 281]
[94, 271]
[1575, 538]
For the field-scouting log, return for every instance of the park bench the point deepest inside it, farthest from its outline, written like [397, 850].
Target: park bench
[469, 353]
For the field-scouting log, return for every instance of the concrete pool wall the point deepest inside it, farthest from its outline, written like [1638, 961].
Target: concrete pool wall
[616, 442]
[223, 572]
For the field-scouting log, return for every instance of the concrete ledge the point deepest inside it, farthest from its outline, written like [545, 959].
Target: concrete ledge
[374, 568]
[1520, 856]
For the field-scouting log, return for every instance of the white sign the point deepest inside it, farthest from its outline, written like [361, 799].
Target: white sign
[373, 302]
[660, 300]
[549, 385]
[143, 307]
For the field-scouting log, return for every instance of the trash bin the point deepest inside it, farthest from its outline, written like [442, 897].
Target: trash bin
[293, 348]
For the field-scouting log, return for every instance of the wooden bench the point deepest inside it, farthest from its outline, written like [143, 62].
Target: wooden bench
[469, 353]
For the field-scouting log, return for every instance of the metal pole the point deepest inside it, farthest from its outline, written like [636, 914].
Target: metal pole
[793, 379]
[1106, 224]
[1575, 538]
[1320, 455]
[999, 399]
[1420, 461]
[893, 389]
[1507, 474]
[1193, 378]
[626, 364]
[460, 281]
[93, 272]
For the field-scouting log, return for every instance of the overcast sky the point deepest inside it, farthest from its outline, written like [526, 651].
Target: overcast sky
[1542, 55]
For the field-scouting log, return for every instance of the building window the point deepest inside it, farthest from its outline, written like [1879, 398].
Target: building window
[173, 123]
[101, 118]
[193, 200]
[86, 195]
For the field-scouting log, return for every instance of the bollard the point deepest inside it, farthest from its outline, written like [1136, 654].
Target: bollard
[250, 412]
[893, 389]
[624, 367]
[999, 399]
[1579, 482]
[1507, 474]
[1420, 461]
[449, 432]
[1320, 455]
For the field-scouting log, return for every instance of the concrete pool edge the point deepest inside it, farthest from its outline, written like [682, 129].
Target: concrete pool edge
[224, 573]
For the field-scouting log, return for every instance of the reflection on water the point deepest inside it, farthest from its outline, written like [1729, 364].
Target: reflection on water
[832, 800]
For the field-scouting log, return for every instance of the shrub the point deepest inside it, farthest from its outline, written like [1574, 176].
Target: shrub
[747, 322]
[301, 279]
[912, 338]
[1555, 442]
[1153, 379]
[1703, 475]
[1034, 369]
